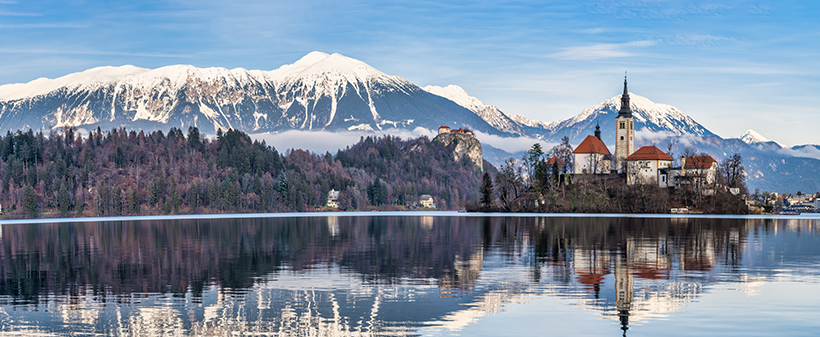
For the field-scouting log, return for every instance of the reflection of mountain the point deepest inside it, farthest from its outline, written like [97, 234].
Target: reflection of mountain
[376, 275]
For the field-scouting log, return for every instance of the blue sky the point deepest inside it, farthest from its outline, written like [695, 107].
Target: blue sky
[731, 65]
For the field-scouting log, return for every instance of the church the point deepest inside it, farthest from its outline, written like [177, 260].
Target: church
[642, 166]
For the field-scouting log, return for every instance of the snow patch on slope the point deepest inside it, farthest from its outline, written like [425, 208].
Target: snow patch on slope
[751, 137]
[41, 86]
[457, 95]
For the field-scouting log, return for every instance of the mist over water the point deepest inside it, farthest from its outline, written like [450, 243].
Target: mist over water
[412, 275]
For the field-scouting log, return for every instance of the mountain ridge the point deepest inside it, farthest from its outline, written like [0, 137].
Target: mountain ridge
[333, 92]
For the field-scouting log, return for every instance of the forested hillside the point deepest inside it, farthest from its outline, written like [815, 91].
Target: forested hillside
[123, 172]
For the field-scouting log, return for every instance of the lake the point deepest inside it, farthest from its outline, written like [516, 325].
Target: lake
[396, 274]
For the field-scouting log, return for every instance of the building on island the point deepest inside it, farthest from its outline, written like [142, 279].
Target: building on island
[426, 200]
[624, 132]
[446, 129]
[642, 166]
[592, 156]
[333, 199]
[466, 144]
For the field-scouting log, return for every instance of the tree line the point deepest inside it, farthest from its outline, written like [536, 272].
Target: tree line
[122, 172]
[533, 184]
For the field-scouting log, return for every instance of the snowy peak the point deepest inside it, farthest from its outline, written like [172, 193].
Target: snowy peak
[457, 95]
[318, 66]
[44, 85]
[751, 137]
[660, 116]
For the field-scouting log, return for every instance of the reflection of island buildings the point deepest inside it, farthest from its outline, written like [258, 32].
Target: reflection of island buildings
[340, 277]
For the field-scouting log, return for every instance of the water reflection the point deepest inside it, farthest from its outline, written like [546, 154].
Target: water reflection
[344, 276]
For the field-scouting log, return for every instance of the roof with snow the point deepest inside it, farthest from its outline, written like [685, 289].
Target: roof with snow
[592, 144]
[649, 153]
[699, 162]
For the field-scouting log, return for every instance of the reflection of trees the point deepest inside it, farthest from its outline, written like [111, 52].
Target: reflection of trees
[186, 255]
[624, 267]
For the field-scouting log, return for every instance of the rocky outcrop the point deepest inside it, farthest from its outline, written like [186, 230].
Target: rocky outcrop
[466, 145]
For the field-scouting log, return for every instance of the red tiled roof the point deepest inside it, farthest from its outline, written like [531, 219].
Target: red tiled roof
[555, 160]
[699, 162]
[592, 144]
[649, 153]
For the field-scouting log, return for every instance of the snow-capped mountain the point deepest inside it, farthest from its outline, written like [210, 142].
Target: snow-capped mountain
[751, 137]
[650, 119]
[332, 92]
[489, 113]
[318, 92]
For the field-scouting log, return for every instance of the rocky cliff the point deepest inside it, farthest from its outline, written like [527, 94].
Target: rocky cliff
[466, 145]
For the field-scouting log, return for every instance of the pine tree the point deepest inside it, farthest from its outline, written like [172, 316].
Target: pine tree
[63, 200]
[486, 191]
[29, 200]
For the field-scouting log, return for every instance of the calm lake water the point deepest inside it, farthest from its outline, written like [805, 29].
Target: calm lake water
[402, 274]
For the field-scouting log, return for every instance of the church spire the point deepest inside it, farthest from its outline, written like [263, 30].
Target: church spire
[626, 93]
[626, 110]
[597, 131]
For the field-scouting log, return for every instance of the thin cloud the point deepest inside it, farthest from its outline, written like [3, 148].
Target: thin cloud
[598, 51]
[6, 13]
[601, 50]
[43, 25]
[85, 52]
[756, 85]
[695, 40]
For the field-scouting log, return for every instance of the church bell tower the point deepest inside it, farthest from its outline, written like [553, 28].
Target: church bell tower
[624, 132]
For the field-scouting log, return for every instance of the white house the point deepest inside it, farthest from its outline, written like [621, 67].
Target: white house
[426, 200]
[592, 156]
[643, 166]
[697, 171]
[333, 199]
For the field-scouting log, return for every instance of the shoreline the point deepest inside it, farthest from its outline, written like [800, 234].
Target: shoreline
[804, 216]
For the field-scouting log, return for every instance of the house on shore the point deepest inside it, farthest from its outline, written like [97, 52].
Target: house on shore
[643, 166]
[426, 200]
[332, 199]
[696, 171]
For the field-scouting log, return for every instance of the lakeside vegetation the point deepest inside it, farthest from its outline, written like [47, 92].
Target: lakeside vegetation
[536, 186]
[123, 172]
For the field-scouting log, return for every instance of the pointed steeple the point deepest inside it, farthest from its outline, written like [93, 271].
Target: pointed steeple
[597, 131]
[626, 110]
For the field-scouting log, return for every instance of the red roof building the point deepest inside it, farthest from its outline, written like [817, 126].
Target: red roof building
[591, 144]
[698, 162]
[649, 153]
[555, 161]
[643, 166]
[592, 156]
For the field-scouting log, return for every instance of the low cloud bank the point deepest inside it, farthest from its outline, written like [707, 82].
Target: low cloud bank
[808, 152]
[326, 141]
[511, 144]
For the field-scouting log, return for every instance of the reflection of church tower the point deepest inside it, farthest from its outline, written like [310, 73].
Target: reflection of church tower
[624, 289]
[624, 132]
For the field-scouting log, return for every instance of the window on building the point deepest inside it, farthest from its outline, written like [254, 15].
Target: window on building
[622, 137]
[622, 125]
